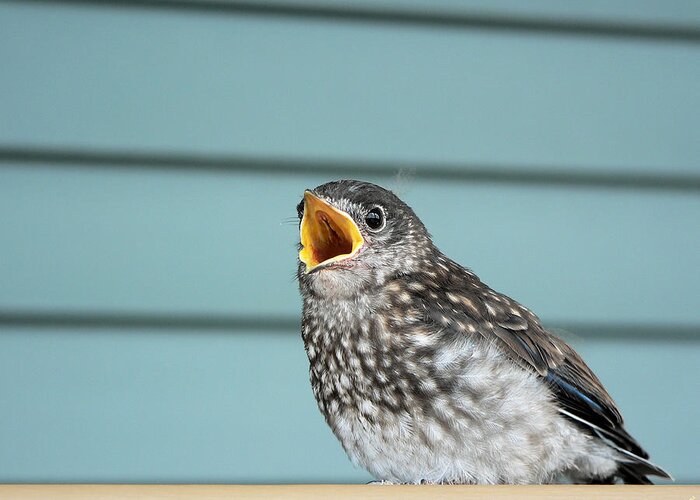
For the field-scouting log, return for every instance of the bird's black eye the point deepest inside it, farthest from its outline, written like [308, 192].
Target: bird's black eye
[375, 219]
[300, 209]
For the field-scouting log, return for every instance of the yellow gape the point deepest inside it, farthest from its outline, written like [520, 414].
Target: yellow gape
[327, 234]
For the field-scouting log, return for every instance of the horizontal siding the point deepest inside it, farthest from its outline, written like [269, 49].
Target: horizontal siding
[256, 85]
[193, 406]
[658, 12]
[148, 406]
[116, 240]
[678, 21]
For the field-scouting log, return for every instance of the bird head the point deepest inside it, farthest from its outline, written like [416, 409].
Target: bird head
[356, 235]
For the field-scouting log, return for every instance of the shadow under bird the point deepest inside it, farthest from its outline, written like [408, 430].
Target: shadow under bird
[427, 375]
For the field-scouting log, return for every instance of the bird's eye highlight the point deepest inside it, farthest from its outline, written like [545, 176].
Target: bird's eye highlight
[300, 209]
[375, 219]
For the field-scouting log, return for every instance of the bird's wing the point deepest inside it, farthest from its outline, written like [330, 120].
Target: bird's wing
[578, 392]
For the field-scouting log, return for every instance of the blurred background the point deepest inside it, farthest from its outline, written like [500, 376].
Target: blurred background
[152, 154]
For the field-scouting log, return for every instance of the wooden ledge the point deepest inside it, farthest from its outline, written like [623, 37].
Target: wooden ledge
[341, 491]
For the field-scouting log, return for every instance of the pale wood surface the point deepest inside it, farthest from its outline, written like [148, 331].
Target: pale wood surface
[343, 491]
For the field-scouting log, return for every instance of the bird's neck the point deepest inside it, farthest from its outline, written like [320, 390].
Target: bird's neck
[336, 317]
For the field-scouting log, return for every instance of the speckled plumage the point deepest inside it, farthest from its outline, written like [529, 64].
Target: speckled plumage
[425, 374]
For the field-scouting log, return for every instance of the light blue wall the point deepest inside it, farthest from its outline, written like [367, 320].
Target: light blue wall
[151, 157]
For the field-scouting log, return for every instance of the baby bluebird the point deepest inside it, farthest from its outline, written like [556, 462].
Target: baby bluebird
[427, 375]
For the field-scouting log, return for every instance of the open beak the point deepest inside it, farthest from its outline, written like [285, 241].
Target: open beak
[328, 235]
